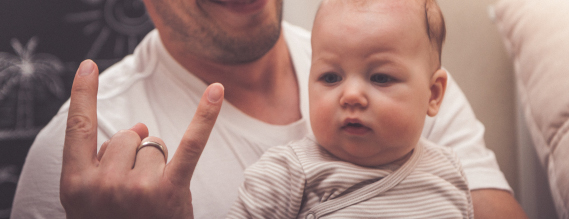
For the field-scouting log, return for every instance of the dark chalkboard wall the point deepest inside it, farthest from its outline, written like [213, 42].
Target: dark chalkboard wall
[41, 46]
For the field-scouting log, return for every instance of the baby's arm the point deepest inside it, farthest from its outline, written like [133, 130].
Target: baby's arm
[273, 187]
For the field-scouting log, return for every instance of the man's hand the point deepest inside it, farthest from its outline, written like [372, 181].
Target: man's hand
[107, 185]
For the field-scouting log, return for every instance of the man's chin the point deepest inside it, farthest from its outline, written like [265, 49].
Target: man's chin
[251, 49]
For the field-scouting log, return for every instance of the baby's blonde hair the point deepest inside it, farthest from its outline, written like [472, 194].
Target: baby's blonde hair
[434, 22]
[436, 29]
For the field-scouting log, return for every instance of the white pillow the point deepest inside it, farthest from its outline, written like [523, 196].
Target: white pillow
[536, 33]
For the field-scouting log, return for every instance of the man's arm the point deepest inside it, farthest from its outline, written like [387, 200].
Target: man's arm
[456, 126]
[494, 203]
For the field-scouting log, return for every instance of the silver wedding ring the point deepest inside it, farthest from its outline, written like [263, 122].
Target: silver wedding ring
[156, 145]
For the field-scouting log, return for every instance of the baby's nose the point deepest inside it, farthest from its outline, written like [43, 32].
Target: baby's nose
[354, 95]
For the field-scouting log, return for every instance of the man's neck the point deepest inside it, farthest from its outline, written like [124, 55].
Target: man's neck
[265, 89]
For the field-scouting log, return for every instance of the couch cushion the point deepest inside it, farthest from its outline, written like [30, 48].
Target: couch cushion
[536, 33]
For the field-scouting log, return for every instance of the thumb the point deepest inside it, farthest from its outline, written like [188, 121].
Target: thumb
[181, 167]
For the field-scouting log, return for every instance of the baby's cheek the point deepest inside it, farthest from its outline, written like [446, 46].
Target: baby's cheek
[321, 119]
[400, 124]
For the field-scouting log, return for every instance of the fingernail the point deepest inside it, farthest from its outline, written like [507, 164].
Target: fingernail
[215, 93]
[86, 67]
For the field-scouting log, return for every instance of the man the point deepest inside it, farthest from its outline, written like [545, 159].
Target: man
[264, 72]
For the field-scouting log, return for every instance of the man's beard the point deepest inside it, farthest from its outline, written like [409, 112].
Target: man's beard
[206, 39]
[246, 49]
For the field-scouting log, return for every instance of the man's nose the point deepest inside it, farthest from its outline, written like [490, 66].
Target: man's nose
[354, 94]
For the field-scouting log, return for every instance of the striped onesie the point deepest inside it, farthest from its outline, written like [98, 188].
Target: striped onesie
[302, 180]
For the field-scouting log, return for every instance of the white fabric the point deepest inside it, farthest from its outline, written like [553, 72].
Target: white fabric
[151, 87]
[302, 180]
[536, 33]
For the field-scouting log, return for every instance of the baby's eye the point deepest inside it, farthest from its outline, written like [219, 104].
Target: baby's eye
[330, 78]
[381, 78]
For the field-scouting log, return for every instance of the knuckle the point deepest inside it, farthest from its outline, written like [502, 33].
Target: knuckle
[140, 188]
[129, 134]
[192, 147]
[74, 189]
[105, 189]
[79, 89]
[79, 124]
[208, 115]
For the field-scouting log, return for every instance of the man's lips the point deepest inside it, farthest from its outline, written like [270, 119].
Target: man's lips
[241, 6]
[233, 1]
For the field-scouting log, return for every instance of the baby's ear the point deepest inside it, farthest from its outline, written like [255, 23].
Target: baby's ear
[438, 85]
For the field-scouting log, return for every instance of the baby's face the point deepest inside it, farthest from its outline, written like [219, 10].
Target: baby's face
[370, 80]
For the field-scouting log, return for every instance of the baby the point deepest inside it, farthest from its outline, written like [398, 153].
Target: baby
[375, 74]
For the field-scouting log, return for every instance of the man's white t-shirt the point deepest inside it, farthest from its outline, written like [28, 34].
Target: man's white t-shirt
[151, 87]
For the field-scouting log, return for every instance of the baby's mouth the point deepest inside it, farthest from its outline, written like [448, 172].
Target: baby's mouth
[357, 125]
[355, 128]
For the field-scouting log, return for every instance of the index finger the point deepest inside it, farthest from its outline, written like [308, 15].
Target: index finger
[181, 167]
[80, 147]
